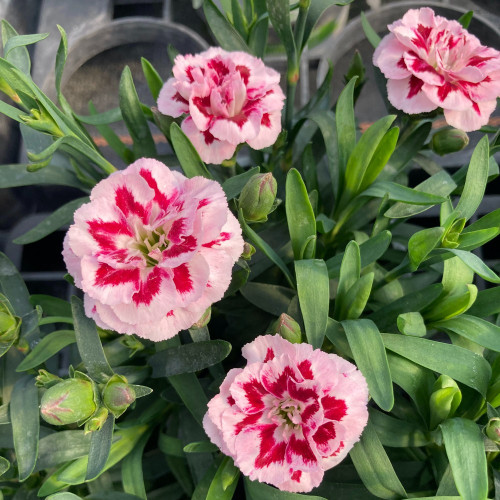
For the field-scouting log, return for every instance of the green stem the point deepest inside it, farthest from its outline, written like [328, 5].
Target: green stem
[291, 87]
[300, 25]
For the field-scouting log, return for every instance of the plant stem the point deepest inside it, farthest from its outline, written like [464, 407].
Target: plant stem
[300, 25]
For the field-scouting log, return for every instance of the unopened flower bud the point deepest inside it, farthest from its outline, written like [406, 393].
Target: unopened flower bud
[10, 325]
[46, 379]
[257, 197]
[492, 430]
[449, 140]
[118, 395]
[204, 320]
[444, 401]
[248, 251]
[68, 402]
[97, 421]
[288, 328]
[41, 120]
[356, 68]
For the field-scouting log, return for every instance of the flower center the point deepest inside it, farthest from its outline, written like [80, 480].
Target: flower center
[152, 244]
[287, 412]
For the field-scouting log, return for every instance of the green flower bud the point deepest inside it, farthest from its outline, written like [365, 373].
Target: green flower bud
[118, 395]
[492, 430]
[68, 402]
[449, 140]
[10, 325]
[204, 320]
[41, 120]
[46, 379]
[288, 328]
[356, 68]
[248, 251]
[450, 239]
[257, 197]
[444, 401]
[97, 420]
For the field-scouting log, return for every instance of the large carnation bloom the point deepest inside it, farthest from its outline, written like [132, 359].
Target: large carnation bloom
[290, 414]
[229, 98]
[152, 250]
[431, 62]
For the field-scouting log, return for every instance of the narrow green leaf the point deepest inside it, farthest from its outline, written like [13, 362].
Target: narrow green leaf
[50, 345]
[60, 217]
[62, 54]
[370, 33]
[368, 350]
[440, 184]
[374, 467]
[313, 290]
[265, 248]
[233, 186]
[345, 122]
[370, 251]
[259, 491]
[4, 466]
[279, 14]
[411, 144]
[11, 112]
[100, 446]
[421, 244]
[414, 379]
[223, 31]
[397, 192]
[476, 264]
[65, 495]
[453, 304]
[51, 306]
[273, 299]
[397, 433]
[356, 298]
[224, 482]
[190, 391]
[478, 330]
[363, 154]
[465, 449]
[16, 175]
[188, 156]
[300, 215]
[200, 447]
[74, 473]
[466, 18]
[89, 344]
[61, 447]
[487, 303]
[132, 472]
[188, 358]
[456, 362]
[18, 56]
[153, 79]
[350, 270]
[25, 418]
[475, 182]
[134, 118]
[170, 445]
[474, 239]
[105, 118]
[411, 302]
[21, 41]
[239, 21]
[13, 286]
[488, 221]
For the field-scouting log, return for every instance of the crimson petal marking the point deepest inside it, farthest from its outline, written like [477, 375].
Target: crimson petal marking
[126, 202]
[107, 275]
[421, 35]
[300, 448]
[269, 355]
[218, 65]
[298, 393]
[415, 85]
[335, 409]
[162, 200]
[309, 411]
[104, 233]
[248, 421]
[218, 241]
[188, 245]
[278, 386]
[296, 475]
[254, 391]
[269, 451]
[149, 288]
[182, 279]
[266, 122]
[323, 435]
[305, 369]
[176, 230]
[244, 72]
[203, 104]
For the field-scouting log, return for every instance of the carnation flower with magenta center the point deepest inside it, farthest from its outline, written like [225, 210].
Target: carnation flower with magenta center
[290, 414]
[152, 250]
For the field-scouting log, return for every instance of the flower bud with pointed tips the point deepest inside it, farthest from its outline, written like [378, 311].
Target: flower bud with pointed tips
[118, 395]
[257, 197]
[449, 140]
[444, 401]
[46, 379]
[288, 328]
[68, 402]
[492, 430]
[248, 251]
[97, 420]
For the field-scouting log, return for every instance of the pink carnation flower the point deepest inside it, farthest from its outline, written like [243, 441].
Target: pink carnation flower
[431, 62]
[229, 98]
[290, 414]
[152, 250]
